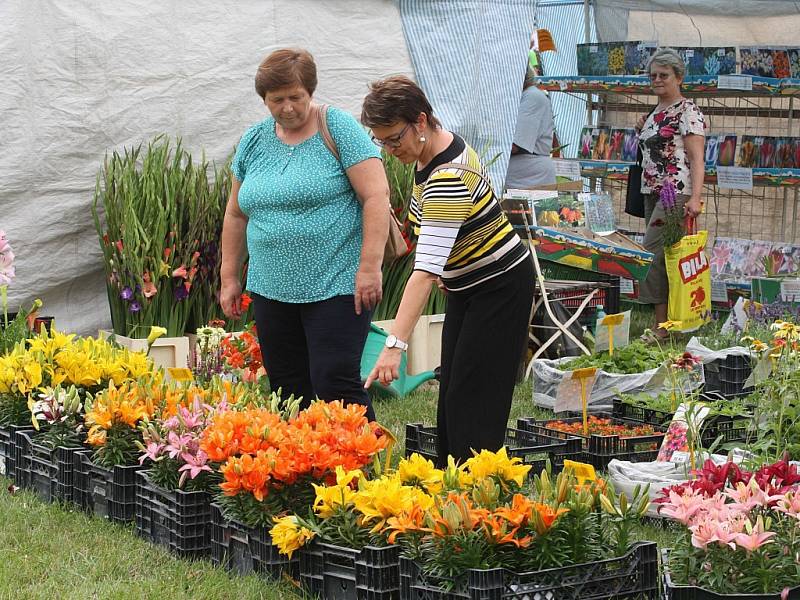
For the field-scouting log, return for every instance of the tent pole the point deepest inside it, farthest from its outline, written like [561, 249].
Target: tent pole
[587, 30]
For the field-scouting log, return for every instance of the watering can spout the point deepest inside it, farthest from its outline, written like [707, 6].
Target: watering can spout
[414, 381]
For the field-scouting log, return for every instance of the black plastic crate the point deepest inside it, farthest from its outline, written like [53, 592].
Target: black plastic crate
[336, 573]
[633, 576]
[533, 448]
[242, 549]
[690, 592]
[729, 428]
[21, 443]
[108, 493]
[651, 416]
[599, 450]
[8, 450]
[733, 373]
[177, 520]
[49, 470]
[572, 293]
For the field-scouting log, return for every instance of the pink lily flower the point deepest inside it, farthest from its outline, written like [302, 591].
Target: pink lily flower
[177, 444]
[790, 504]
[151, 451]
[755, 536]
[704, 533]
[682, 508]
[194, 466]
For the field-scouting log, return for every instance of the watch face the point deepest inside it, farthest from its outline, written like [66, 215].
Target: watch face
[391, 341]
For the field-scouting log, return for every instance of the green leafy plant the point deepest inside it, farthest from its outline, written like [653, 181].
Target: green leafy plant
[634, 358]
[158, 217]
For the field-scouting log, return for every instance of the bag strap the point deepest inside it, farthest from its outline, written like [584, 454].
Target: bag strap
[462, 167]
[322, 124]
[690, 224]
[639, 157]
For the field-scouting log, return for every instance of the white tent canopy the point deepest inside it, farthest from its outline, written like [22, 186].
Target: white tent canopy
[80, 79]
[699, 22]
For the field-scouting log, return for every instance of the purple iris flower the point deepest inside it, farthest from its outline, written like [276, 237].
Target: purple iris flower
[134, 307]
[180, 292]
[126, 294]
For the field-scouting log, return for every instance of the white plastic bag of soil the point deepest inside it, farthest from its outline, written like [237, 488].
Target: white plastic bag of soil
[625, 476]
[707, 355]
[549, 384]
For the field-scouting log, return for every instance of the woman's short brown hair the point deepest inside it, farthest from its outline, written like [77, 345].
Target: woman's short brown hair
[286, 67]
[396, 99]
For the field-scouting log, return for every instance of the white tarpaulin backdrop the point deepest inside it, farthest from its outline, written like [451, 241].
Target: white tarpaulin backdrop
[78, 79]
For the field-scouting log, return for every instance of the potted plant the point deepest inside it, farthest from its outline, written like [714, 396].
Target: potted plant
[105, 478]
[271, 459]
[57, 416]
[347, 541]
[51, 359]
[158, 217]
[172, 491]
[571, 537]
[738, 534]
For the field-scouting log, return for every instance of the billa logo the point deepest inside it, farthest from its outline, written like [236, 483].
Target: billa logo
[693, 265]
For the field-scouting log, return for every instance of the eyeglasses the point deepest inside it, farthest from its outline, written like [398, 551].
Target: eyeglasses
[394, 141]
[656, 76]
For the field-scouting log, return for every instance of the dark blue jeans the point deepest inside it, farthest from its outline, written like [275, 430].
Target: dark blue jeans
[314, 350]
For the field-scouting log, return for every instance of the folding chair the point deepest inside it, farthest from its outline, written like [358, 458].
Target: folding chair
[560, 328]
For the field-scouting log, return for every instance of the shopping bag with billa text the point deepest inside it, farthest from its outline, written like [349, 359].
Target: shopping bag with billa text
[689, 280]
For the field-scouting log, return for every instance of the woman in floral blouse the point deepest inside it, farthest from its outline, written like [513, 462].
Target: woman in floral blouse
[672, 139]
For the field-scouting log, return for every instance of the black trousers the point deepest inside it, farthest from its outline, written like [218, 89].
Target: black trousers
[314, 350]
[485, 329]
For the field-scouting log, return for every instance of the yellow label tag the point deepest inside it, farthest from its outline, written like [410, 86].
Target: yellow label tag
[179, 374]
[584, 373]
[583, 471]
[613, 320]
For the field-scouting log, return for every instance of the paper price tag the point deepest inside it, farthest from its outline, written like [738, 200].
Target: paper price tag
[719, 291]
[790, 290]
[562, 85]
[626, 286]
[735, 82]
[735, 178]
[593, 49]
[613, 331]
[679, 457]
[571, 169]
[613, 320]
[689, 52]
[179, 374]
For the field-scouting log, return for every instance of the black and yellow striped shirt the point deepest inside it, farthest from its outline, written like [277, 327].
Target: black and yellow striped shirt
[464, 237]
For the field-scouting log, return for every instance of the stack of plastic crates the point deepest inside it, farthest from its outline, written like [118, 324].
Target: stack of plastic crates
[570, 286]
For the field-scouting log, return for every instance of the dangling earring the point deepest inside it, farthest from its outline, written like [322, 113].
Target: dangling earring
[422, 139]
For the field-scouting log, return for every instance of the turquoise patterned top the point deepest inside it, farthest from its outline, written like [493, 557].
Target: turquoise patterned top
[304, 219]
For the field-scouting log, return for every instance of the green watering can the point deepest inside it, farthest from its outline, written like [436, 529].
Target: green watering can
[400, 387]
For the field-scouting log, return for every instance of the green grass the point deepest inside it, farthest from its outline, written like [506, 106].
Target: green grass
[51, 551]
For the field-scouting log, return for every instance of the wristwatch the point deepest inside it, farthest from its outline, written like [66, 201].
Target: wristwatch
[393, 342]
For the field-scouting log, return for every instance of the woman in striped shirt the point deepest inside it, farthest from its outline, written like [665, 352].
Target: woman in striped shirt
[469, 249]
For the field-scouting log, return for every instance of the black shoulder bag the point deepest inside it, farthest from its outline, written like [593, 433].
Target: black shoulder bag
[634, 199]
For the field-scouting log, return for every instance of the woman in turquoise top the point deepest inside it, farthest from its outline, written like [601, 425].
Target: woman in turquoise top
[315, 228]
